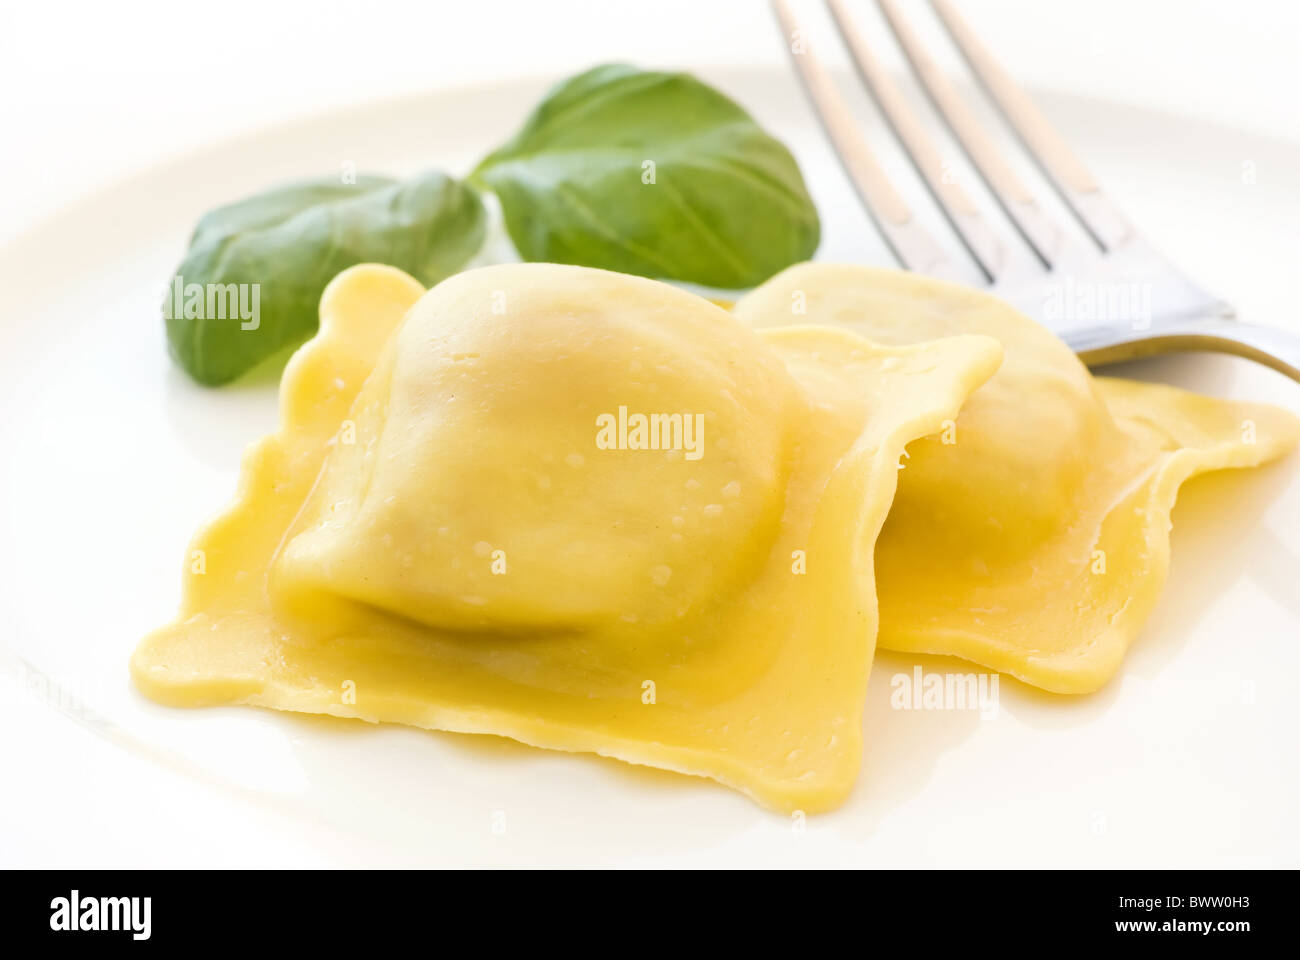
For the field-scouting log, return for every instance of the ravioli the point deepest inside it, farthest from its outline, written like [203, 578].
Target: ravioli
[479, 515]
[1032, 537]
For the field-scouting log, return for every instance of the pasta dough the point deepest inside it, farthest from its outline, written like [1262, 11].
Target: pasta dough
[436, 536]
[1033, 536]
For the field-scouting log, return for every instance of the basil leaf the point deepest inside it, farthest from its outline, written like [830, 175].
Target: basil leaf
[251, 282]
[727, 206]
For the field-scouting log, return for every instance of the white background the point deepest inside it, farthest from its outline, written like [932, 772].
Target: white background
[92, 91]
[96, 91]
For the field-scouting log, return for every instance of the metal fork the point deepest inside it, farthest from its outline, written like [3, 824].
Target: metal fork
[1113, 298]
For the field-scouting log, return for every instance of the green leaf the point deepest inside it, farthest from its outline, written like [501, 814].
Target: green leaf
[727, 208]
[290, 242]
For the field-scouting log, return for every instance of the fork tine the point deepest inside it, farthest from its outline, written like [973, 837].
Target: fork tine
[909, 241]
[1068, 175]
[992, 257]
[1044, 237]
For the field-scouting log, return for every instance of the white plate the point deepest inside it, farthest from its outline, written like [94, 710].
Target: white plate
[110, 457]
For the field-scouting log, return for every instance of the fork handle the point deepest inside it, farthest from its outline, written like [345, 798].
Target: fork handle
[1271, 346]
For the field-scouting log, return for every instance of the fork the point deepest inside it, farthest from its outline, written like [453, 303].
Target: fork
[1112, 298]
